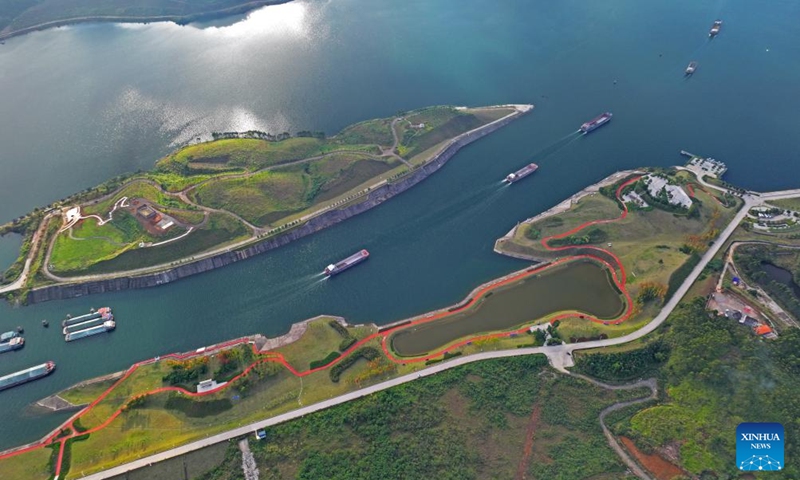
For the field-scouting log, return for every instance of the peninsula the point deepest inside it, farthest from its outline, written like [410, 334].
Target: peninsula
[213, 203]
[25, 16]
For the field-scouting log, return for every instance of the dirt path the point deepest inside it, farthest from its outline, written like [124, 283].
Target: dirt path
[650, 383]
[530, 433]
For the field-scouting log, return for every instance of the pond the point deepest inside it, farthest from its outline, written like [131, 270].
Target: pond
[9, 250]
[781, 275]
[582, 285]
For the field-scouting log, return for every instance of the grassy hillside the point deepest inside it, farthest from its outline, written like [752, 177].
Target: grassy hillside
[716, 374]
[18, 14]
[497, 419]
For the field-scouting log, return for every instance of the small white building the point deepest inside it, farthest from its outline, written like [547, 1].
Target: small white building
[675, 194]
[207, 385]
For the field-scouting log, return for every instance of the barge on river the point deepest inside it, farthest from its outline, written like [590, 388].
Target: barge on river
[100, 313]
[596, 122]
[521, 173]
[715, 29]
[106, 326]
[12, 344]
[27, 375]
[349, 262]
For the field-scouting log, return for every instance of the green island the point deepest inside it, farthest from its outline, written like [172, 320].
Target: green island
[236, 193]
[507, 417]
[18, 17]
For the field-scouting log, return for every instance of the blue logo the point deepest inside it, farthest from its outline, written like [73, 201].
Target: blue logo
[759, 446]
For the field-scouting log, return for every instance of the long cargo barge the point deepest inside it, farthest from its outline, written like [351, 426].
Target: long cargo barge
[351, 261]
[106, 326]
[596, 122]
[521, 173]
[13, 344]
[83, 325]
[715, 29]
[27, 375]
[100, 313]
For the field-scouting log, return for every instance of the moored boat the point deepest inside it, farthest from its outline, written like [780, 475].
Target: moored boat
[27, 375]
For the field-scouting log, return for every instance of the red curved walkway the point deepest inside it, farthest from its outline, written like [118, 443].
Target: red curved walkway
[279, 358]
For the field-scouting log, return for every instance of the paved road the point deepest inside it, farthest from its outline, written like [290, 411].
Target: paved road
[35, 246]
[560, 357]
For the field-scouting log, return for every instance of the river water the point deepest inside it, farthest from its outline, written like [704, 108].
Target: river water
[84, 103]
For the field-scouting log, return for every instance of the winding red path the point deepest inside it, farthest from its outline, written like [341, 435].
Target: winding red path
[275, 357]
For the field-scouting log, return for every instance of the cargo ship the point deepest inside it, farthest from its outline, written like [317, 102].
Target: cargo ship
[521, 173]
[13, 344]
[596, 122]
[106, 326]
[84, 325]
[101, 313]
[27, 375]
[691, 68]
[4, 337]
[351, 261]
[715, 29]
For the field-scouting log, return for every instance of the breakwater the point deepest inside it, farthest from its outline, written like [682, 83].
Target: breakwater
[313, 225]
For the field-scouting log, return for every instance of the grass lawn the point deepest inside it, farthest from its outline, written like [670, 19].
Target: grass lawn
[317, 342]
[220, 229]
[250, 154]
[84, 394]
[135, 189]
[787, 203]
[268, 197]
[371, 132]
[33, 465]
[91, 243]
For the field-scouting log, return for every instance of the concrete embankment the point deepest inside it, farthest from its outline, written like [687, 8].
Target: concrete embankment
[313, 225]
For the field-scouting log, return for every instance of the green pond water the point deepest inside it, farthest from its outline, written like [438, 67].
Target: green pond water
[583, 286]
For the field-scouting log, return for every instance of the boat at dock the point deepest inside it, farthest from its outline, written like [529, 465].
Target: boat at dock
[27, 375]
[691, 68]
[521, 173]
[106, 326]
[351, 261]
[5, 337]
[83, 325]
[596, 122]
[13, 344]
[100, 313]
[715, 29]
